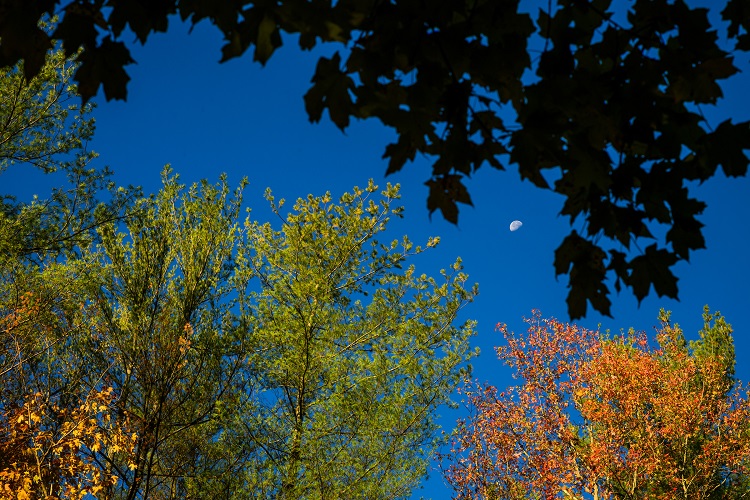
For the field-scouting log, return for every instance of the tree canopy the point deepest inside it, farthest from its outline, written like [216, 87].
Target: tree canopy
[599, 103]
[604, 417]
[160, 346]
[44, 126]
[188, 355]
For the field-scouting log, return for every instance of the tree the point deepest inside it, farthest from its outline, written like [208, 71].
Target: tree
[163, 330]
[49, 423]
[45, 450]
[138, 338]
[608, 417]
[43, 126]
[612, 120]
[353, 352]
[251, 362]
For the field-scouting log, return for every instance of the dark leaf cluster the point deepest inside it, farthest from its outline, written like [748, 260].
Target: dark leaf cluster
[610, 119]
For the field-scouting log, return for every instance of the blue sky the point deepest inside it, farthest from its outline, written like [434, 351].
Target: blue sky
[204, 118]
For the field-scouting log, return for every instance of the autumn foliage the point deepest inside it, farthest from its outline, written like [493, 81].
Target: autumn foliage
[605, 417]
[54, 443]
[48, 452]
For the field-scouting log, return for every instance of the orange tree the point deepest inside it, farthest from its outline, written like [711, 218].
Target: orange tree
[607, 417]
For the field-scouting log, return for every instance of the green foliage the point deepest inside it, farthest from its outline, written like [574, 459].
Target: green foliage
[716, 344]
[252, 362]
[612, 115]
[43, 126]
[41, 120]
[162, 331]
[305, 362]
[241, 360]
[353, 351]
[44, 280]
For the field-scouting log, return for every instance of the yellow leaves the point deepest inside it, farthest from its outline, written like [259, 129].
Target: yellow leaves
[52, 461]
[183, 344]
[15, 485]
[23, 493]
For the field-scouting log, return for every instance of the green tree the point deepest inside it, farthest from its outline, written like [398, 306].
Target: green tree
[163, 310]
[306, 362]
[43, 281]
[162, 330]
[353, 353]
[612, 121]
[44, 126]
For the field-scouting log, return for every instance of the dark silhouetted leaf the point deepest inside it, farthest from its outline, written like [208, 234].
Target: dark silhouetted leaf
[21, 37]
[726, 146]
[143, 17]
[445, 192]
[584, 263]
[104, 66]
[399, 153]
[330, 90]
[653, 268]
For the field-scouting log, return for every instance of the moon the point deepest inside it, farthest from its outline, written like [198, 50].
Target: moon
[515, 225]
